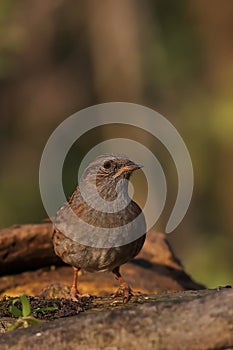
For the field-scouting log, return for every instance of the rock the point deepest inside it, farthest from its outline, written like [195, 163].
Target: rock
[197, 320]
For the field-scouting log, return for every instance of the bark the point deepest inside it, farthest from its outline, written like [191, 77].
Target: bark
[187, 320]
[29, 247]
[26, 247]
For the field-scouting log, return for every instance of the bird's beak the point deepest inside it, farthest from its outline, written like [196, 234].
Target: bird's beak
[130, 166]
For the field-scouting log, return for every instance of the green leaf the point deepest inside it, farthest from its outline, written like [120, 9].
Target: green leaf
[15, 311]
[32, 320]
[15, 325]
[26, 309]
[15, 300]
[25, 324]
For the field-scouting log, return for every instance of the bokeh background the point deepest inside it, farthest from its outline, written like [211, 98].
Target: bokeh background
[57, 57]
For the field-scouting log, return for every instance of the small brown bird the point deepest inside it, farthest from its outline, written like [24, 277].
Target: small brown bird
[108, 228]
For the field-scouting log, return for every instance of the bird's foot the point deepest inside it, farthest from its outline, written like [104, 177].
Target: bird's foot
[76, 296]
[125, 291]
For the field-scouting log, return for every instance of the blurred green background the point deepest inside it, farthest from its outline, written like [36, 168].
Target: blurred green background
[58, 57]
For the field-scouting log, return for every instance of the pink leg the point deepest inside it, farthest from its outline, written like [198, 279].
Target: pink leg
[74, 293]
[124, 288]
[74, 290]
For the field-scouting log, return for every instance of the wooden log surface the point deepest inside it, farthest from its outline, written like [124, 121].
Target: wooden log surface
[198, 320]
[26, 247]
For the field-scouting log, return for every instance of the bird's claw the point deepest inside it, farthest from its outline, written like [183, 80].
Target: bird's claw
[125, 291]
[76, 296]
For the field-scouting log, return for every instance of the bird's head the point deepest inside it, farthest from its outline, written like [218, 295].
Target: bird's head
[108, 172]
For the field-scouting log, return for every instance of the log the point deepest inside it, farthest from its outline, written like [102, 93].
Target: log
[197, 320]
[26, 247]
[29, 247]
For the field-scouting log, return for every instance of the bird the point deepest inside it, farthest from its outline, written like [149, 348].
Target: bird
[101, 203]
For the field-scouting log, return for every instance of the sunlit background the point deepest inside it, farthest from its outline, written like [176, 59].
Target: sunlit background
[176, 57]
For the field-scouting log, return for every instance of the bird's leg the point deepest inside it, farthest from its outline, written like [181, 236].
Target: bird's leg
[74, 293]
[124, 288]
[74, 290]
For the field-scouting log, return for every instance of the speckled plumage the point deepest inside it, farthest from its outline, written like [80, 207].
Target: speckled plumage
[105, 177]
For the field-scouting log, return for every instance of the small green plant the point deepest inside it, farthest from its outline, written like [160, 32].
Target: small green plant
[25, 318]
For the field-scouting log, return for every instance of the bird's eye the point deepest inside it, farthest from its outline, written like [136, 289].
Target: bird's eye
[107, 164]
